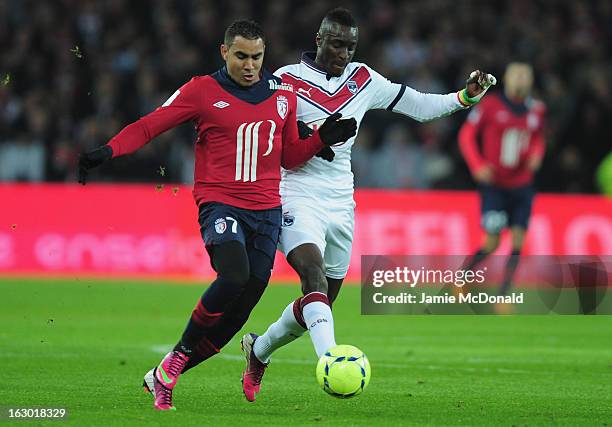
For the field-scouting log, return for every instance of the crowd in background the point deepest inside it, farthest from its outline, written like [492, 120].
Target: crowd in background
[74, 72]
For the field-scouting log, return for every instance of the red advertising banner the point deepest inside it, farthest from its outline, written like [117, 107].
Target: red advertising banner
[152, 231]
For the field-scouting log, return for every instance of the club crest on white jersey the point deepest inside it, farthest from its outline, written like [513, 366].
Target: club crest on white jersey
[352, 86]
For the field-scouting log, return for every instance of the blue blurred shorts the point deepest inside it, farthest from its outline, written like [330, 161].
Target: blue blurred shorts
[505, 207]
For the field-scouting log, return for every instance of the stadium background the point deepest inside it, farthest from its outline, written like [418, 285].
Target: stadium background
[133, 54]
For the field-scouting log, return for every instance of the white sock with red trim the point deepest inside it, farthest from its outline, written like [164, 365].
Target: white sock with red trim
[289, 327]
[319, 321]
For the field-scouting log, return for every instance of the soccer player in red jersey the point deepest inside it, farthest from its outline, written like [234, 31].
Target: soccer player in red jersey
[247, 129]
[503, 144]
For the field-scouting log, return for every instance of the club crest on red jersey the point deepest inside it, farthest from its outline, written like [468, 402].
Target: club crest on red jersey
[220, 225]
[282, 106]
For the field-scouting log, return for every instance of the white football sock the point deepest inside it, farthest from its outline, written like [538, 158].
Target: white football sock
[320, 322]
[279, 333]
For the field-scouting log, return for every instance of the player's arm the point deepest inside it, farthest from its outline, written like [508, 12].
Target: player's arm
[298, 149]
[181, 107]
[480, 169]
[537, 148]
[536, 152]
[425, 107]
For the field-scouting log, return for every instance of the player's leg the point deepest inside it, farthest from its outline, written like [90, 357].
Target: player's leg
[520, 201]
[333, 288]
[291, 325]
[338, 250]
[303, 240]
[261, 237]
[313, 310]
[229, 258]
[234, 318]
[494, 219]
[518, 237]
[261, 251]
[231, 263]
[307, 261]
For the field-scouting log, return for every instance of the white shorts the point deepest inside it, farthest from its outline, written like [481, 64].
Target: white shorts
[330, 227]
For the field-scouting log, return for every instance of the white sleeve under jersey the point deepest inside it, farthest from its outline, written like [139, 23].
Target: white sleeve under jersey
[402, 99]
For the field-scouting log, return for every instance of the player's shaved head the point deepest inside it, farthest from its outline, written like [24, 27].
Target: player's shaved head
[336, 41]
[518, 80]
[246, 29]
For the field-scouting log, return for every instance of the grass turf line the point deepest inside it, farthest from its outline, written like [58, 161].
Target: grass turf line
[86, 345]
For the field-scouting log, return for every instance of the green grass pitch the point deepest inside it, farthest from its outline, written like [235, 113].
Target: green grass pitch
[85, 345]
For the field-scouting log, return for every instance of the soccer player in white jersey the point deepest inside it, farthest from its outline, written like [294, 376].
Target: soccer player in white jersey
[317, 200]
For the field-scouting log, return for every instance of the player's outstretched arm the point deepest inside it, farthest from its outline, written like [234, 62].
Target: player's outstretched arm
[182, 106]
[424, 107]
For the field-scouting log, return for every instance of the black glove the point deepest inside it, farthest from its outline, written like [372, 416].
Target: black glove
[91, 159]
[326, 154]
[304, 130]
[334, 130]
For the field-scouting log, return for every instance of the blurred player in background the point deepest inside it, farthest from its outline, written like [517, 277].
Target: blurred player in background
[247, 129]
[318, 206]
[503, 144]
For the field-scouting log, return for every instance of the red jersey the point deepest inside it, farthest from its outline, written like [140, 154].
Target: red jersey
[245, 135]
[509, 134]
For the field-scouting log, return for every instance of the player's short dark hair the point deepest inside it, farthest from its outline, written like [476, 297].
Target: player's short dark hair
[341, 16]
[250, 30]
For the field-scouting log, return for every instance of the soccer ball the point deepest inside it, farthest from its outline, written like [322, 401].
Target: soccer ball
[343, 371]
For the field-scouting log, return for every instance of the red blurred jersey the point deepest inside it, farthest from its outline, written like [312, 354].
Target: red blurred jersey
[244, 137]
[504, 135]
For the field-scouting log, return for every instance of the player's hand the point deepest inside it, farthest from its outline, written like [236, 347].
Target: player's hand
[91, 159]
[534, 163]
[476, 86]
[479, 82]
[326, 154]
[304, 130]
[334, 130]
[484, 175]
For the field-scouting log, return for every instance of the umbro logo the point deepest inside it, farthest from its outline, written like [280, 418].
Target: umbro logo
[220, 104]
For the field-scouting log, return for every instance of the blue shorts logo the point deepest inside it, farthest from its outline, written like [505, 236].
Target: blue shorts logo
[288, 220]
[220, 225]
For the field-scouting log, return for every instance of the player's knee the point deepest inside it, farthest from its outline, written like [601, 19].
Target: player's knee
[238, 274]
[232, 263]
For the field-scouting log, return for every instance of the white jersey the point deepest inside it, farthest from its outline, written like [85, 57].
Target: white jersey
[356, 91]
